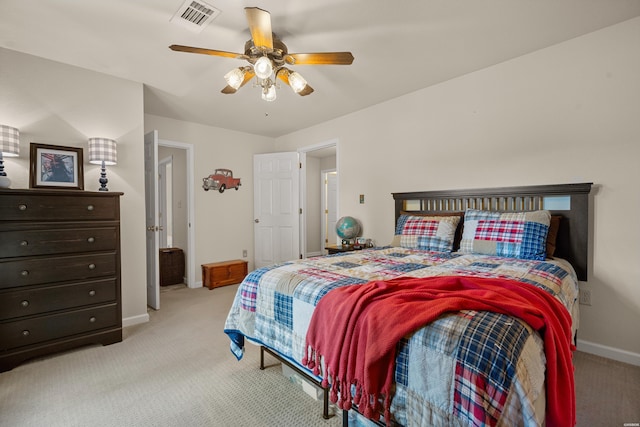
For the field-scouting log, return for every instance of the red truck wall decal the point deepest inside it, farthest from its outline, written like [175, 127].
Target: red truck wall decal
[220, 180]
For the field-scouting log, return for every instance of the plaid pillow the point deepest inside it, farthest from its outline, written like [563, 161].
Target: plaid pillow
[515, 235]
[429, 233]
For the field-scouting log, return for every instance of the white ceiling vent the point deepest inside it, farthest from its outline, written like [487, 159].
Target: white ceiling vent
[195, 15]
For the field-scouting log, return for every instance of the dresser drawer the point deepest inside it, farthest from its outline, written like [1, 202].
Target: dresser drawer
[39, 329]
[35, 271]
[19, 207]
[57, 241]
[30, 301]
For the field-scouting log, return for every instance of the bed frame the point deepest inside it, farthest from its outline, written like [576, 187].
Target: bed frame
[570, 201]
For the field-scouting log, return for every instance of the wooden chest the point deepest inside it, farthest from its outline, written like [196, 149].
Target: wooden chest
[59, 272]
[223, 273]
[171, 266]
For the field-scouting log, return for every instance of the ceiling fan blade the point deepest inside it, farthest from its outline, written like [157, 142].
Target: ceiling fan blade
[325, 58]
[248, 75]
[260, 27]
[190, 49]
[283, 74]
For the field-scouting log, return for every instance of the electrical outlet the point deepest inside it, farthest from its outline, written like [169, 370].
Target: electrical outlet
[585, 296]
[244, 253]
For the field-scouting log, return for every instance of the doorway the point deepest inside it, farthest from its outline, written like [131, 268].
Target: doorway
[315, 160]
[329, 211]
[174, 202]
[181, 195]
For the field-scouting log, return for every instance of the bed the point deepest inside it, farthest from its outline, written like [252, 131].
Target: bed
[466, 367]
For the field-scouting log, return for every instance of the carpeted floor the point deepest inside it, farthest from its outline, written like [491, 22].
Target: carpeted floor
[177, 370]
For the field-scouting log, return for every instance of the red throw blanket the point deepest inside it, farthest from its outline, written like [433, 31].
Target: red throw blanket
[356, 329]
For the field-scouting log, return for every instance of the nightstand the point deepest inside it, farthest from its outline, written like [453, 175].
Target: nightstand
[336, 249]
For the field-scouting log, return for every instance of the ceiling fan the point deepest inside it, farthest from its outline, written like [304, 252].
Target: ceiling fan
[268, 57]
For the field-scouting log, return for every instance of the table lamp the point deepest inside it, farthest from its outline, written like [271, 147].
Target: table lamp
[102, 151]
[9, 147]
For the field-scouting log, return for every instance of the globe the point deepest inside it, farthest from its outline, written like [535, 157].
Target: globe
[347, 227]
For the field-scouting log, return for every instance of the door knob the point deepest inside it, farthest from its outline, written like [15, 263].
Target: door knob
[256, 220]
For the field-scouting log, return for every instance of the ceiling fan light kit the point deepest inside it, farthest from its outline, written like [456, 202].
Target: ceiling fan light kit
[268, 55]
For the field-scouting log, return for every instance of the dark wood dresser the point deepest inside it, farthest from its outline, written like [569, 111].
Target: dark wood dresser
[59, 272]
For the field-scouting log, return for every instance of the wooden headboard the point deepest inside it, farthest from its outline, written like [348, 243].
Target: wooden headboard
[571, 201]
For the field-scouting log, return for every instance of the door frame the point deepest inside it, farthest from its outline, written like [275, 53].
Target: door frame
[151, 219]
[303, 185]
[191, 226]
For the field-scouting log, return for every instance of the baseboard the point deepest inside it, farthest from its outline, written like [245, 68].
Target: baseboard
[194, 285]
[609, 352]
[134, 320]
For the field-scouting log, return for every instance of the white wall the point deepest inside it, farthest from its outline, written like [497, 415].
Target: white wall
[567, 113]
[58, 104]
[223, 222]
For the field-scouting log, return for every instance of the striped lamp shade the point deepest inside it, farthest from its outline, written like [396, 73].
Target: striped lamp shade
[102, 150]
[9, 141]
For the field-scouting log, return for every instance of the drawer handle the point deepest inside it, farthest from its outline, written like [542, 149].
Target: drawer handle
[92, 319]
[92, 266]
[25, 303]
[22, 207]
[24, 273]
[24, 243]
[89, 207]
[91, 240]
[92, 293]
[25, 333]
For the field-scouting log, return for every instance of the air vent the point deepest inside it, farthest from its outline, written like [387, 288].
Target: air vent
[195, 15]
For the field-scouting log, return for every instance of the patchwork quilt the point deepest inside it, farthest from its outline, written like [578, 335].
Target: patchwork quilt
[466, 368]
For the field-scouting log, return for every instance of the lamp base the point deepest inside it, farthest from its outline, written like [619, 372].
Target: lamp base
[103, 178]
[5, 182]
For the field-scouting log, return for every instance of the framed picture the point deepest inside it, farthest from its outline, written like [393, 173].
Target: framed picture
[53, 166]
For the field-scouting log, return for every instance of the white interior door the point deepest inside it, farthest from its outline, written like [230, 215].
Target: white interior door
[329, 207]
[276, 207]
[151, 204]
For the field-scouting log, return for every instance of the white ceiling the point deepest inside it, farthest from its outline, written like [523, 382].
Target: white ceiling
[399, 47]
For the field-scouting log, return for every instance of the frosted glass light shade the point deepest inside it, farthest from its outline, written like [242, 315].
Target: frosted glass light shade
[297, 82]
[269, 93]
[235, 77]
[263, 67]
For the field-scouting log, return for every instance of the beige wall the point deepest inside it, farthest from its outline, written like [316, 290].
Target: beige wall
[568, 113]
[59, 104]
[223, 222]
